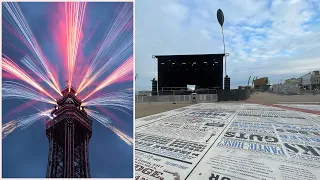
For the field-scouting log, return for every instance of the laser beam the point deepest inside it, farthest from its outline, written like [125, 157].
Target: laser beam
[123, 21]
[106, 121]
[34, 68]
[101, 119]
[16, 19]
[9, 66]
[127, 139]
[121, 72]
[121, 53]
[12, 90]
[115, 100]
[74, 12]
[22, 123]
[8, 128]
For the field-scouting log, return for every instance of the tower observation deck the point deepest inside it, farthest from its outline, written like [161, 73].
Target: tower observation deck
[69, 133]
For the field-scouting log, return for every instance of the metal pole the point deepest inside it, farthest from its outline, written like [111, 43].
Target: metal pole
[224, 51]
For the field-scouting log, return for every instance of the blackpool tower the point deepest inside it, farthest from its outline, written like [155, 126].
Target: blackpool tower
[69, 133]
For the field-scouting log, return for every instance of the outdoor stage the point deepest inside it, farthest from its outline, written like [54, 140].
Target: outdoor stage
[229, 141]
[176, 72]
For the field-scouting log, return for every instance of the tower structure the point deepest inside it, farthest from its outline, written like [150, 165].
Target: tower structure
[69, 133]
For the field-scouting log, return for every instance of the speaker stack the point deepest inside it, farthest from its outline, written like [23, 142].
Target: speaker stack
[154, 87]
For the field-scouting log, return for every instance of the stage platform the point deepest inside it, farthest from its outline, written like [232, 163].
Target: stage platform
[230, 141]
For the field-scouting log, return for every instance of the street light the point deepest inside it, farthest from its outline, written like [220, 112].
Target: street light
[220, 18]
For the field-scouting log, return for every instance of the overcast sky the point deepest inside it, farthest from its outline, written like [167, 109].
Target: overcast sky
[278, 39]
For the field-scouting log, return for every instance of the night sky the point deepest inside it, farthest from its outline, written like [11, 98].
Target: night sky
[25, 152]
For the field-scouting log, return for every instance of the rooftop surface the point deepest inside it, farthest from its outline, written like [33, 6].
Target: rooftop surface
[243, 140]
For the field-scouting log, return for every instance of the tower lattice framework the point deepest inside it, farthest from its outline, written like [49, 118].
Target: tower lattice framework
[69, 133]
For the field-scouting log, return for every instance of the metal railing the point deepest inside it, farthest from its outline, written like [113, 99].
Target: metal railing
[177, 98]
[179, 92]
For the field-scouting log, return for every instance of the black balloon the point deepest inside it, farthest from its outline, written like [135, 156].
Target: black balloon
[220, 17]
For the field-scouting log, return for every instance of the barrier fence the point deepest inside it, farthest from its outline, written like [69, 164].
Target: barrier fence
[177, 98]
[187, 92]
[234, 94]
[221, 95]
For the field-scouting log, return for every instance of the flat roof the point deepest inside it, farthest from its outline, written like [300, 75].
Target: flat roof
[159, 56]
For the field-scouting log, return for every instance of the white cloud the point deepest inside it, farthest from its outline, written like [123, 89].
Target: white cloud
[177, 10]
[279, 39]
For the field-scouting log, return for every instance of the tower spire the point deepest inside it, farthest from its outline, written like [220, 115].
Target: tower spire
[68, 133]
[69, 87]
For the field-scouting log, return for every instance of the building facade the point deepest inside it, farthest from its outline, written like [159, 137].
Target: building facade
[261, 84]
[306, 79]
[315, 79]
[293, 81]
[311, 80]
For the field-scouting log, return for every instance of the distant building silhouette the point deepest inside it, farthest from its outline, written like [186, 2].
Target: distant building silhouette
[311, 80]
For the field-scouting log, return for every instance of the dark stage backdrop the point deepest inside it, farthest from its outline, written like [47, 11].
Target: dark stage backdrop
[204, 71]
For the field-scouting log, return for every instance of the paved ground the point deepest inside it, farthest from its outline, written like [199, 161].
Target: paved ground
[163, 140]
[276, 98]
[228, 140]
[144, 109]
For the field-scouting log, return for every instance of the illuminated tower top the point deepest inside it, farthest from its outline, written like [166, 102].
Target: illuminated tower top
[69, 105]
[69, 133]
[68, 95]
[68, 91]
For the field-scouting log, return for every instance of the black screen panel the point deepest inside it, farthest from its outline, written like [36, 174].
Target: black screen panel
[204, 71]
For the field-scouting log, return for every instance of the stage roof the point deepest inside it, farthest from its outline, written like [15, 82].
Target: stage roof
[183, 55]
